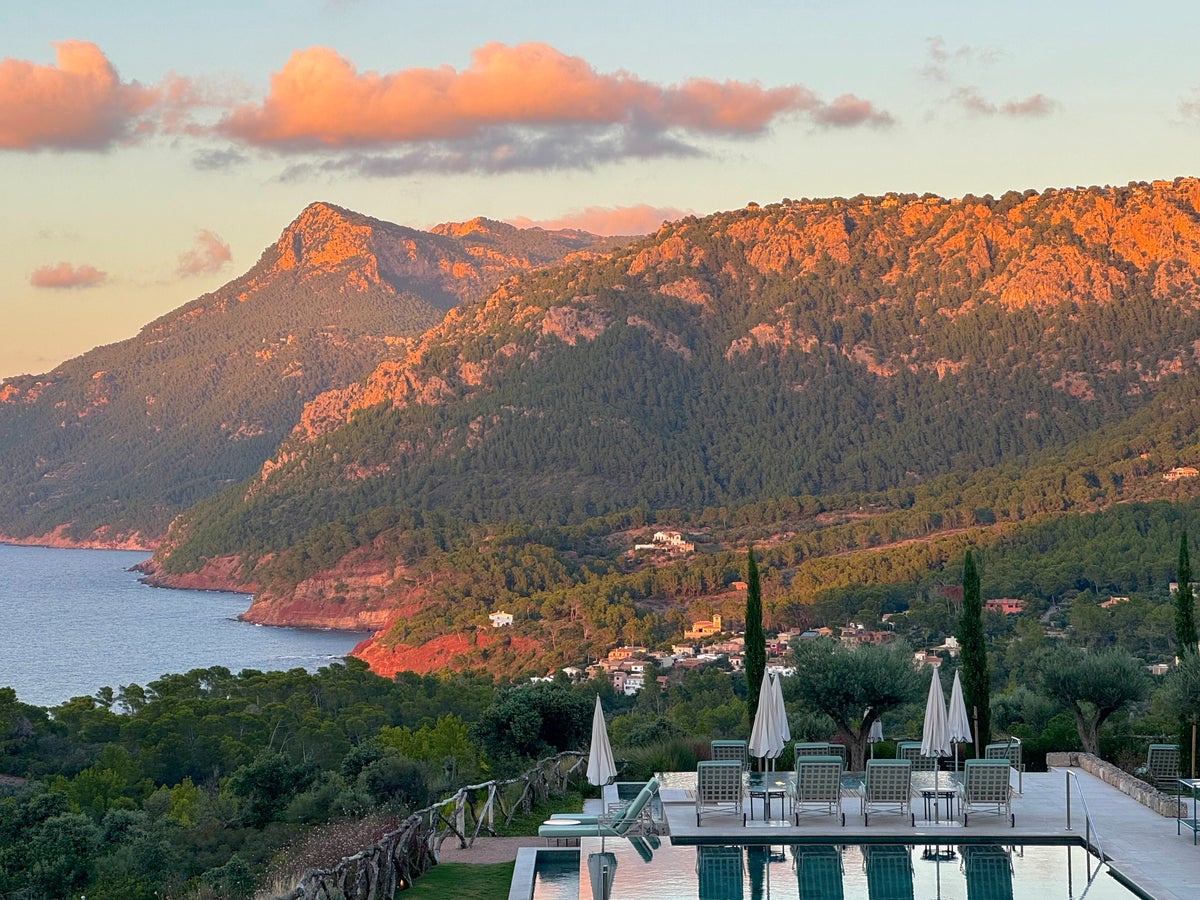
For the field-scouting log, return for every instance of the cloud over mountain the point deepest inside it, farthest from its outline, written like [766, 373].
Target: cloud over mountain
[65, 275]
[206, 257]
[608, 220]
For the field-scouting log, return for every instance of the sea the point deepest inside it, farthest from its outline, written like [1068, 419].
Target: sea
[75, 621]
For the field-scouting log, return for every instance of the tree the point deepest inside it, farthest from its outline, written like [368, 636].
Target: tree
[1185, 607]
[1093, 686]
[756, 641]
[976, 679]
[534, 720]
[855, 687]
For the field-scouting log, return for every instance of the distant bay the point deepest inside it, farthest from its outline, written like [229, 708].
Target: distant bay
[74, 621]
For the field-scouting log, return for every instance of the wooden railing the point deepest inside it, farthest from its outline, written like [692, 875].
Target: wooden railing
[399, 857]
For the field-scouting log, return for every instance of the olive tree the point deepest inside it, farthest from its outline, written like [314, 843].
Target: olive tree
[1093, 686]
[854, 687]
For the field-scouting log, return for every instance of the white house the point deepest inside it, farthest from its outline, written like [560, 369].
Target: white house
[501, 619]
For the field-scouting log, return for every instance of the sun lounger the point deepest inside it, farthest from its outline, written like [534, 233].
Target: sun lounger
[888, 787]
[737, 750]
[719, 789]
[819, 748]
[818, 785]
[1010, 750]
[1162, 765]
[986, 787]
[617, 824]
[911, 750]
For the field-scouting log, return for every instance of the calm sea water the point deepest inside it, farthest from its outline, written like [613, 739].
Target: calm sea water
[73, 621]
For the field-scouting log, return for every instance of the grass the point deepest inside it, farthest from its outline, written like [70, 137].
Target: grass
[464, 881]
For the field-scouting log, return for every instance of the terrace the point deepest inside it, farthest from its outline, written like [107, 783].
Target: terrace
[1144, 855]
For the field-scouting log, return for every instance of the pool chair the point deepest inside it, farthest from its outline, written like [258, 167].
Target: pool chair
[986, 787]
[616, 824]
[889, 871]
[738, 750]
[819, 748]
[911, 750]
[819, 871]
[1162, 766]
[888, 788]
[719, 872]
[817, 786]
[719, 789]
[1010, 750]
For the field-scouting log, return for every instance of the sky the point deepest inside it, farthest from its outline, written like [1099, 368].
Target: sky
[150, 151]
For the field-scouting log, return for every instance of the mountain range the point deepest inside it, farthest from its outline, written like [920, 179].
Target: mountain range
[861, 386]
[107, 448]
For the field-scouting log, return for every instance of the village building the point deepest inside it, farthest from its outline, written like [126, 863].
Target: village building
[703, 628]
[1006, 605]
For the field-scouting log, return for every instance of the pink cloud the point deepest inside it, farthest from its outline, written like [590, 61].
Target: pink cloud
[78, 103]
[847, 111]
[319, 100]
[206, 257]
[1033, 106]
[608, 220]
[1190, 108]
[64, 275]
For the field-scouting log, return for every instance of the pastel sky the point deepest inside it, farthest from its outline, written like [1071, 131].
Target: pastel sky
[149, 151]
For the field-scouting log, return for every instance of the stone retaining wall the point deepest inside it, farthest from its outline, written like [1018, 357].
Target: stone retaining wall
[1145, 794]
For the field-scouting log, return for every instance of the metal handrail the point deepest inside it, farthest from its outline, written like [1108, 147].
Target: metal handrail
[1088, 826]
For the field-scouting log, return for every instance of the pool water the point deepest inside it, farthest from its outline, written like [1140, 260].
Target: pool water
[974, 871]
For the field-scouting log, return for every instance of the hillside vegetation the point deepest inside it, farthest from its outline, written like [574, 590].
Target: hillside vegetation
[829, 377]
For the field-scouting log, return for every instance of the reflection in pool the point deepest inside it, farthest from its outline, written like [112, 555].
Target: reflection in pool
[872, 871]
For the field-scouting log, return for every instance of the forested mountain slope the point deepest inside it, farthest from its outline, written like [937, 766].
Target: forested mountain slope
[947, 362]
[109, 446]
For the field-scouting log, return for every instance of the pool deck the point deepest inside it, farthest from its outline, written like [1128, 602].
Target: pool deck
[1141, 846]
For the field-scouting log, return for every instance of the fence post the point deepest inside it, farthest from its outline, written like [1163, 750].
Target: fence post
[1068, 777]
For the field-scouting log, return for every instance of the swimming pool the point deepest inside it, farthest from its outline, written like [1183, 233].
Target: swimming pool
[810, 871]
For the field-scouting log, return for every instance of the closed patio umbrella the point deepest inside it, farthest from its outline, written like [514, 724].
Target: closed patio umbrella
[958, 723]
[935, 736]
[875, 735]
[766, 741]
[780, 712]
[601, 767]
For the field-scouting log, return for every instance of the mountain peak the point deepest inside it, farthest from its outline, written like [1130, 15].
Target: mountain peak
[324, 237]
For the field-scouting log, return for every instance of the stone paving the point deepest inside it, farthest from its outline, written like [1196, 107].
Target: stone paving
[1142, 845]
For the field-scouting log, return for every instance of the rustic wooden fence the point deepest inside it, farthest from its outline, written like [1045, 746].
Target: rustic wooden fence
[399, 857]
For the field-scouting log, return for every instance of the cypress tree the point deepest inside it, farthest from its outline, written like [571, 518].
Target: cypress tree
[756, 640]
[1185, 609]
[976, 678]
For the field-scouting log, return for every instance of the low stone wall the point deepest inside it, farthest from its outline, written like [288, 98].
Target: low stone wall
[1145, 794]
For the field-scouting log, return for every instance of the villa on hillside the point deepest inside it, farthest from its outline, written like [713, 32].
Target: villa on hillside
[501, 619]
[667, 542]
[703, 628]
[1006, 605]
[1181, 472]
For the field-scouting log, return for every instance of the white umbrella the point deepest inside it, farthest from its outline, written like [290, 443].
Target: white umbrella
[777, 707]
[935, 736]
[766, 742]
[958, 724]
[875, 735]
[601, 768]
